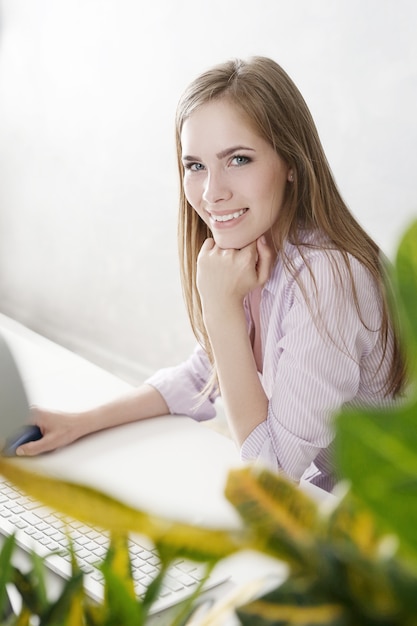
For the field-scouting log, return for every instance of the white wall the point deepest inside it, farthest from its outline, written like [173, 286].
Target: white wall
[88, 193]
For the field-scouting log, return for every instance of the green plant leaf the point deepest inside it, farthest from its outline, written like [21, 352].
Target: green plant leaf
[262, 613]
[120, 603]
[153, 589]
[118, 561]
[356, 573]
[406, 276]
[24, 619]
[60, 611]
[24, 583]
[377, 451]
[38, 580]
[187, 607]
[76, 608]
[295, 603]
[6, 570]
[119, 606]
[78, 601]
[31, 585]
[350, 524]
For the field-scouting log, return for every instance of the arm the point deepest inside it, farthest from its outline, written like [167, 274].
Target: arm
[60, 429]
[224, 278]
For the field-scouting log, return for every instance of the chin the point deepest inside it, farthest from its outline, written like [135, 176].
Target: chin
[232, 243]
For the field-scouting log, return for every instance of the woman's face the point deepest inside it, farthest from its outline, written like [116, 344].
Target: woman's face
[233, 178]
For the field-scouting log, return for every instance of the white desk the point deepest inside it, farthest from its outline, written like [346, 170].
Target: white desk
[55, 377]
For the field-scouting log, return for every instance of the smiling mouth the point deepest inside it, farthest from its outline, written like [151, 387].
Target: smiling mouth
[229, 217]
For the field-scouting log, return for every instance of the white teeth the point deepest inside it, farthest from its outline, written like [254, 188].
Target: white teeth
[227, 218]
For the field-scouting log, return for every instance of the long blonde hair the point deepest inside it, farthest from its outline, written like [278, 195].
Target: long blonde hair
[263, 91]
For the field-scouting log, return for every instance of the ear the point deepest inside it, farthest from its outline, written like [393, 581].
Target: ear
[290, 177]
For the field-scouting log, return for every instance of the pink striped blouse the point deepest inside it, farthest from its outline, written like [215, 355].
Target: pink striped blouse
[311, 368]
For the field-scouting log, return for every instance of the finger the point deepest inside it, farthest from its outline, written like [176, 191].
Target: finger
[264, 264]
[252, 248]
[33, 448]
[27, 450]
[208, 244]
[249, 253]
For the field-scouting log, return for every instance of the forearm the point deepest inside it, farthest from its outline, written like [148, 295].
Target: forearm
[60, 429]
[244, 399]
[141, 403]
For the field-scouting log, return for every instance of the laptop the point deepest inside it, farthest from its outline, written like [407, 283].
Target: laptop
[14, 404]
[171, 466]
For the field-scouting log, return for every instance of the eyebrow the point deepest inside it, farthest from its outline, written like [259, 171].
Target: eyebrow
[220, 155]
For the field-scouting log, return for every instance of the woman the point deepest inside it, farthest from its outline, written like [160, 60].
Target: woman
[284, 289]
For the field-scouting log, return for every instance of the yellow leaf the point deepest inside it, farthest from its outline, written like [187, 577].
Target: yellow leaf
[98, 509]
[76, 613]
[275, 507]
[119, 558]
[24, 618]
[323, 615]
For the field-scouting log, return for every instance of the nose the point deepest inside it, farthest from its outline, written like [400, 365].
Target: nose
[216, 188]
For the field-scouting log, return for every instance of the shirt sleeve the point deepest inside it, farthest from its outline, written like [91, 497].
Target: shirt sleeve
[318, 364]
[181, 387]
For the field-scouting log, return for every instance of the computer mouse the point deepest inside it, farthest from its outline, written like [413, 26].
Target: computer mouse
[25, 434]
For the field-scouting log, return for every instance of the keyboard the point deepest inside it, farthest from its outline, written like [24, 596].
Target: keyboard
[42, 530]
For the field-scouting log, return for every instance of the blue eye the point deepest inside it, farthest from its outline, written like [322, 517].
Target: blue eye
[194, 167]
[239, 160]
